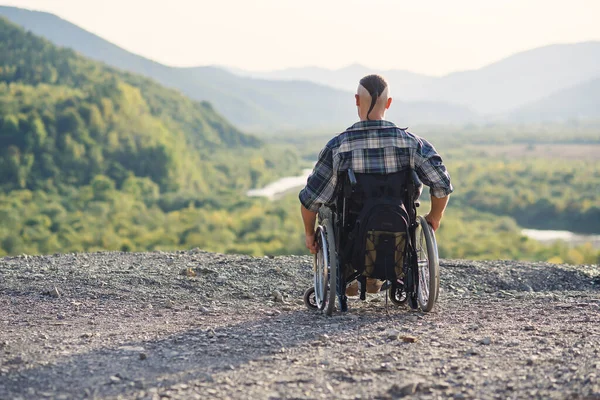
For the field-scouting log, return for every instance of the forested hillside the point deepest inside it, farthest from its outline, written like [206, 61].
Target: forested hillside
[65, 120]
[91, 157]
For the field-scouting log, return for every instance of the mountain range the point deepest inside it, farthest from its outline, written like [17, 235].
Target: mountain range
[314, 98]
[498, 88]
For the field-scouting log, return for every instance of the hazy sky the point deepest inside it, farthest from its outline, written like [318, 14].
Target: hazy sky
[432, 37]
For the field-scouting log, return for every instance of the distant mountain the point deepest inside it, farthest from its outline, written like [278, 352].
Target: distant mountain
[68, 121]
[580, 102]
[497, 88]
[517, 80]
[252, 104]
[343, 78]
[313, 98]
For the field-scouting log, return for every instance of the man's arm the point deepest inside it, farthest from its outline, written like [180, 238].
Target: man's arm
[319, 189]
[438, 205]
[432, 172]
[309, 218]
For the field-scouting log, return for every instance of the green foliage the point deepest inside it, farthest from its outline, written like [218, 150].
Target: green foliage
[65, 119]
[99, 217]
[538, 193]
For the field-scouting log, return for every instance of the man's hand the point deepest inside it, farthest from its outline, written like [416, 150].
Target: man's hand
[309, 218]
[433, 220]
[438, 205]
[311, 243]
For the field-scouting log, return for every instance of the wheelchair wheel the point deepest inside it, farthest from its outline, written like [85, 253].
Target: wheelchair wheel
[428, 265]
[325, 268]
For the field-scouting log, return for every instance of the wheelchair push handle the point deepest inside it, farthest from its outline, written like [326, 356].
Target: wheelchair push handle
[351, 177]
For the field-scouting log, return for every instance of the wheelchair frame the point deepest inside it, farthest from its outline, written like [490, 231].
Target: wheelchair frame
[420, 288]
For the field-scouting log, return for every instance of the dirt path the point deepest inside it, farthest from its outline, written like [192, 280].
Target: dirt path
[137, 326]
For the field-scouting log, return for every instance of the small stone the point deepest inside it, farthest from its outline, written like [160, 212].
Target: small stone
[131, 348]
[189, 272]
[392, 334]
[531, 360]
[409, 339]
[221, 279]
[15, 361]
[169, 303]
[114, 379]
[277, 296]
[53, 292]
[529, 288]
[486, 341]
[401, 391]
[472, 352]
[143, 356]
[441, 386]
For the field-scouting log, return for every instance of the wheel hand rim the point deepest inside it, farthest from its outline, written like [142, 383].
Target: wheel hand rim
[423, 266]
[321, 273]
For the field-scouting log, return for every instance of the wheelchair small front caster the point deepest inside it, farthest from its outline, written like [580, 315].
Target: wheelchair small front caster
[309, 299]
[397, 295]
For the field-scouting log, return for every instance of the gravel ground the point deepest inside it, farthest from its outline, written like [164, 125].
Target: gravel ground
[194, 324]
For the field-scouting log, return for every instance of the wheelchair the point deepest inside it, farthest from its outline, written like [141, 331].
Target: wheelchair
[351, 248]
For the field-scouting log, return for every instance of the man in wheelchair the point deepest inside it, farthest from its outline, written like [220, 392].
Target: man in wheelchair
[364, 188]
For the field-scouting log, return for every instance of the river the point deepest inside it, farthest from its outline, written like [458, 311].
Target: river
[571, 238]
[281, 186]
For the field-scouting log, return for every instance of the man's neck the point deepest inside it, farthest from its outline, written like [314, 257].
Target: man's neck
[373, 119]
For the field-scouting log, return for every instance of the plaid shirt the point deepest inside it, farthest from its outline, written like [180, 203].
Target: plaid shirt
[374, 147]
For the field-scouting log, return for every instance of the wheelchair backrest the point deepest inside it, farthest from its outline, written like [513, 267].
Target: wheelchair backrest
[377, 211]
[402, 186]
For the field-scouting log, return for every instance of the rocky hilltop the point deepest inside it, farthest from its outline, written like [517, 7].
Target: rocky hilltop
[202, 325]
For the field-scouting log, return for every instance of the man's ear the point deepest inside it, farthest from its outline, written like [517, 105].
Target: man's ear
[357, 97]
[389, 103]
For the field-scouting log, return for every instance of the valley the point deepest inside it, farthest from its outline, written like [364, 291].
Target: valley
[95, 158]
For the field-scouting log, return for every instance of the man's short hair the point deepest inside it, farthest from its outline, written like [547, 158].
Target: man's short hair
[375, 85]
